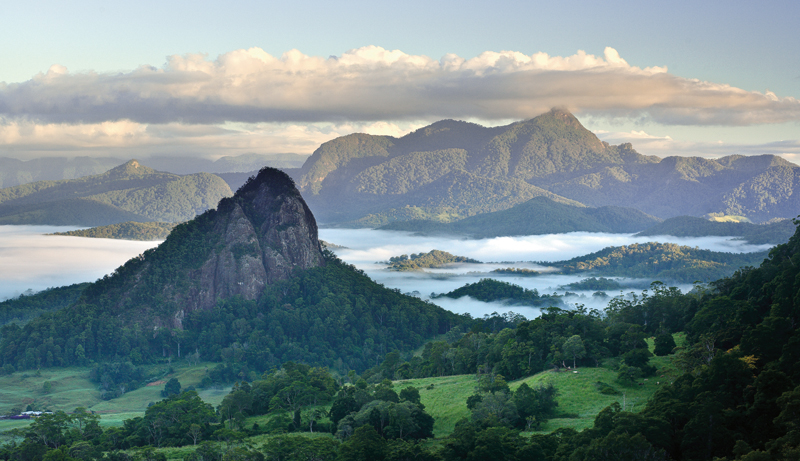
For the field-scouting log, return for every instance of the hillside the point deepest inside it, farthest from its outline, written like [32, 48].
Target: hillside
[251, 271]
[688, 226]
[147, 231]
[452, 170]
[539, 215]
[129, 192]
[667, 262]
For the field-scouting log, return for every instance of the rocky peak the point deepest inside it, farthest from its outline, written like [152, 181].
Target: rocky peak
[261, 235]
[130, 168]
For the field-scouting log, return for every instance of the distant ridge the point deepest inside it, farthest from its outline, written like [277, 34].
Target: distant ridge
[451, 170]
[127, 192]
[688, 226]
[539, 215]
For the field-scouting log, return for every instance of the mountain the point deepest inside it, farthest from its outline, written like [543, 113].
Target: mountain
[688, 226]
[128, 192]
[246, 283]
[539, 215]
[451, 170]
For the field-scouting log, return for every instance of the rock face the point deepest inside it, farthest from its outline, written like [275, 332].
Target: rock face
[261, 235]
[266, 231]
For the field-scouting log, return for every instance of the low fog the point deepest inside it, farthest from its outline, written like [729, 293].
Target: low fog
[365, 248]
[31, 260]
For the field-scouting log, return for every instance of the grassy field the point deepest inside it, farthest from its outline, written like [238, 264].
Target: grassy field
[71, 388]
[579, 397]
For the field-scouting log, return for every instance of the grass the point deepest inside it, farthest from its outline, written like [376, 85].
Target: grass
[71, 388]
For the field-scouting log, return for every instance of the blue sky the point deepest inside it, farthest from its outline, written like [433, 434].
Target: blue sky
[681, 78]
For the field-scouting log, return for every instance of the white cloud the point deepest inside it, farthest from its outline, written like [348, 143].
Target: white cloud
[372, 84]
[664, 146]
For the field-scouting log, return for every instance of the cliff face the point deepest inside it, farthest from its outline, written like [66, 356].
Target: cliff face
[266, 231]
[259, 236]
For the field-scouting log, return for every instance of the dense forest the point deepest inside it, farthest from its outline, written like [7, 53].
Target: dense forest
[736, 399]
[332, 315]
[668, 262]
[489, 290]
[430, 260]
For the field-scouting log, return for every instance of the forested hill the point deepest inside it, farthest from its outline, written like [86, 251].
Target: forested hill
[246, 283]
[452, 170]
[129, 192]
[688, 226]
[539, 215]
[667, 262]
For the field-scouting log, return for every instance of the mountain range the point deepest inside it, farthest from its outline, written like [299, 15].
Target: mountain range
[14, 172]
[539, 215]
[128, 192]
[451, 170]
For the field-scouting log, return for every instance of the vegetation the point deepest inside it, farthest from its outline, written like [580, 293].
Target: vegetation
[431, 259]
[452, 170]
[539, 215]
[147, 231]
[660, 261]
[594, 284]
[31, 305]
[488, 290]
[129, 192]
[332, 315]
[687, 226]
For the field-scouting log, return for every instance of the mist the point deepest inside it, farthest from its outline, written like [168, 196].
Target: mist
[30, 260]
[366, 248]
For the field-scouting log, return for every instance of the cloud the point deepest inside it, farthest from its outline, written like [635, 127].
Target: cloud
[128, 139]
[374, 84]
[664, 146]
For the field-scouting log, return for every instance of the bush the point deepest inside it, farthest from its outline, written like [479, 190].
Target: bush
[664, 344]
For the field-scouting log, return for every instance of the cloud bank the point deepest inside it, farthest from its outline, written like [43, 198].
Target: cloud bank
[372, 84]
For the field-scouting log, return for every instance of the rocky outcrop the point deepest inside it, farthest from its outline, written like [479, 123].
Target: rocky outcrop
[260, 236]
[266, 232]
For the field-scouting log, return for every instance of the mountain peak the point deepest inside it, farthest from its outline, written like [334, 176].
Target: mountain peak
[261, 235]
[130, 168]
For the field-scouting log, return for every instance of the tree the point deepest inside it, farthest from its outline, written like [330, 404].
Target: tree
[574, 347]
[364, 445]
[664, 343]
[173, 387]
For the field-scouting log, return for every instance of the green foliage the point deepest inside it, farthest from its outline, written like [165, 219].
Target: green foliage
[539, 215]
[594, 284]
[431, 259]
[664, 343]
[129, 192]
[489, 290]
[28, 306]
[173, 387]
[147, 231]
[664, 261]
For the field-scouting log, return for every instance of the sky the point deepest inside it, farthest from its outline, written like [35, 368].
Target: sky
[208, 79]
